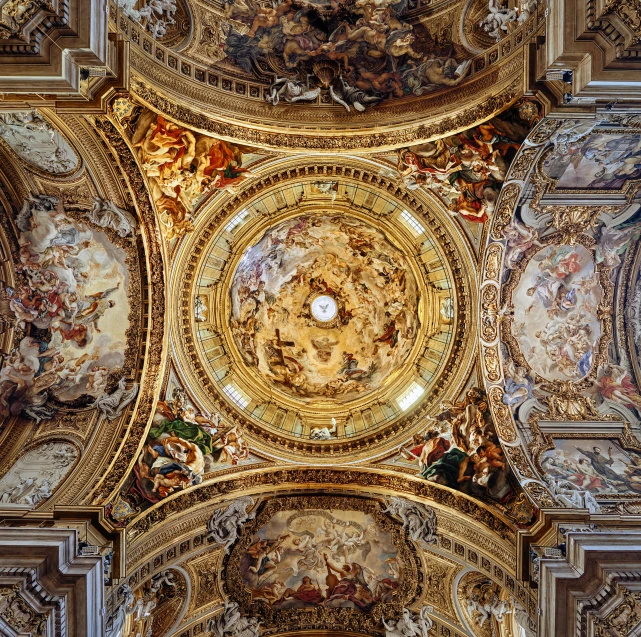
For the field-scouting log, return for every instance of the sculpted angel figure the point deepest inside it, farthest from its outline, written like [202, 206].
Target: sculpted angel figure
[323, 433]
[291, 91]
[499, 21]
[224, 524]
[107, 215]
[410, 625]
[418, 520]
[484, 603]
[124, 607]
[232, 624]
[112, 405]
[569, 495]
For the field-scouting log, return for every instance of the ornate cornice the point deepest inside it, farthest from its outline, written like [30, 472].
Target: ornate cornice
[319, 479]
[502, 94]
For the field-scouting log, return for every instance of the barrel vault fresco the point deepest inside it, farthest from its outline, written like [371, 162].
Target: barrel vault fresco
[320, 318]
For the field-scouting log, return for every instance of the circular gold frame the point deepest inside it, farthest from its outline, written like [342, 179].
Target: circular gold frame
[451, 243]
[325, 409]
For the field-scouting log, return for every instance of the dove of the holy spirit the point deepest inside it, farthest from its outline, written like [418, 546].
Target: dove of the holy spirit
[324, 308]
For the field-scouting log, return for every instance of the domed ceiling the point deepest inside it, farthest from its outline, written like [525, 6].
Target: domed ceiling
[311, 307]
[324, 307]
[383, 73]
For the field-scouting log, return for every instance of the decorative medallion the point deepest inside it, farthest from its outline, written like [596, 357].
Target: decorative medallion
[324, 308]
[37, 142]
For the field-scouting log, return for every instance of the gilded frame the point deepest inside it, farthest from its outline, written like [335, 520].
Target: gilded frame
[324, 617]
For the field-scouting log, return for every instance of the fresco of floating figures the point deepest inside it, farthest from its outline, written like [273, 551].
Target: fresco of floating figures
[70, 306]
[320, 557]
[364, 52]
[181, 165]
[182, 446]
[466, 171]
[557, 290]
[37, 142]
[555, 316]
[597, 161]
[34, 476]
[313, 545]
[553, 273]
[366, 278]
[459, 448]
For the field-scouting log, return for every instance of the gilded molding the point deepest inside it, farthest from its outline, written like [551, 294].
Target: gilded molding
[318, 141]
[133, 438]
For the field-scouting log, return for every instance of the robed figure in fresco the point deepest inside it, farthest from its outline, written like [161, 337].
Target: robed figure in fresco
[460, 449]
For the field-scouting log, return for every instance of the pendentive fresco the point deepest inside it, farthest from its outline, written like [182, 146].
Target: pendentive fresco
[320, 317]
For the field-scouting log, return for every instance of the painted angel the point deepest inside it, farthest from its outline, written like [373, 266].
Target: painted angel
[615, 384]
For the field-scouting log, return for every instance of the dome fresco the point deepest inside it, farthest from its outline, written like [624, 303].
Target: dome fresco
[324, 307]
[320, 317]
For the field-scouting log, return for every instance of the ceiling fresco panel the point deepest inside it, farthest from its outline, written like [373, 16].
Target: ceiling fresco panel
[340, 291]
[70, 302]
[318, 317]
[567, 265]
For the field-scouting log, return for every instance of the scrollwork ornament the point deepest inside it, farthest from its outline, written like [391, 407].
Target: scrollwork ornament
[19, 615]
[622, 618]
[540, 495]
[505, 209]
[490, 315]
[502, 415]
[492, 364]
[567, 402]
[493, 261]
[574, 221]
[544, 131]
[522, 163]
[520, 461]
